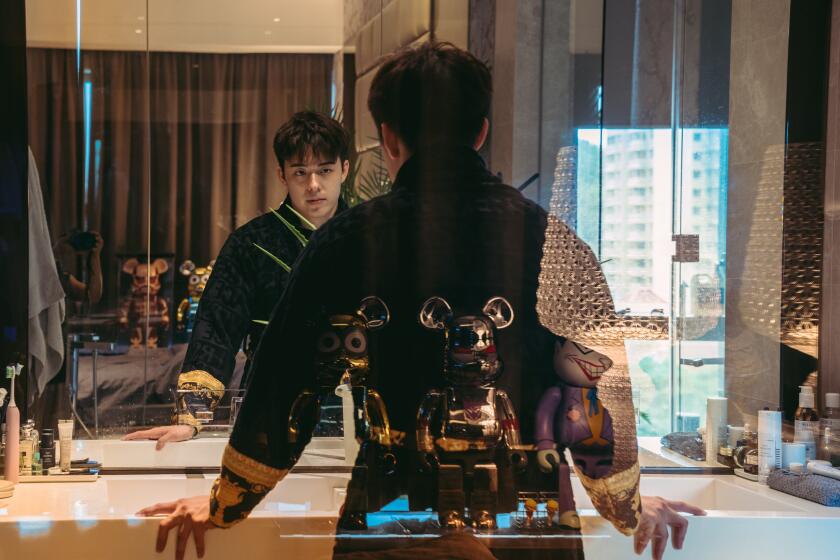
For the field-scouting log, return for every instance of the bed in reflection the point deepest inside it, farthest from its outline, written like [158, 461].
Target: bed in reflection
[121, 379]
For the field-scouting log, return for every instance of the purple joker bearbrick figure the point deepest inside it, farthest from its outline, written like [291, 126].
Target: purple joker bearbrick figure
[570, 416]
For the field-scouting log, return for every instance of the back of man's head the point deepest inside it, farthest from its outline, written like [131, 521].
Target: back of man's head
[432, 96]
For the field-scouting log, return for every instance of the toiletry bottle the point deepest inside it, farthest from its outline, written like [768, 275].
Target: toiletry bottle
[746, 442]
[36, 437]
[807, 422]
[27, 449]
[47, 449]
[65, 443]
[36, 465]
[829, 440]
[769, 443]
[12, 463]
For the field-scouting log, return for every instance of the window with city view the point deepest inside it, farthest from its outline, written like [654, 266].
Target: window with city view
[629, 203]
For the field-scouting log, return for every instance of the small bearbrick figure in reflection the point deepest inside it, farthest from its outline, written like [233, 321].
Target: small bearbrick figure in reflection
[468, 432]
[570, 416]
[342, 364]
[145, 282]
[197, 280]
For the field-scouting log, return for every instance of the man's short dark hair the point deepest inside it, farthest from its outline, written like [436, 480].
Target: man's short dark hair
[432, 95]
[311, 131]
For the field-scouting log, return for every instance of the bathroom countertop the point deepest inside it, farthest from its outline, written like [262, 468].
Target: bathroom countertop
[653, 454]
[298, 518]
[321, 452]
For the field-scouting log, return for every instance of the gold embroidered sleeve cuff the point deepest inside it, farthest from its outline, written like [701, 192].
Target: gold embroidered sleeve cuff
[198, 395]
[616, 497]
[242, 484]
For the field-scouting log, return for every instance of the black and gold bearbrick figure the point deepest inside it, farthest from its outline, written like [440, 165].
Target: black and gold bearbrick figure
[468, 433]
[197, 277]
[341, 359]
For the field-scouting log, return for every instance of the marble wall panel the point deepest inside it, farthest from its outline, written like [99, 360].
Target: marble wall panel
[757, 97]
[829, 349]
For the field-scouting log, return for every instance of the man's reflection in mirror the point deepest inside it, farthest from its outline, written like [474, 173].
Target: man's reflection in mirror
[251, 270]
[450, 231]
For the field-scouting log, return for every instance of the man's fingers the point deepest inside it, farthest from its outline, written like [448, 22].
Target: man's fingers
[198, 532]
[679, 528]
[162, 440]
[151, 433]
[163, 531]
[183, 537]
[642, 537]
[660, 541]
[686, 508]
[157, 509]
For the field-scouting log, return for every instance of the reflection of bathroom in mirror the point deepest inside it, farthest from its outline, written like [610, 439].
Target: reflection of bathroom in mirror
[151, 127]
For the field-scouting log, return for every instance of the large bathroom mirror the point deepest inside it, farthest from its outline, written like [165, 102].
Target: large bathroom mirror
[665, 134]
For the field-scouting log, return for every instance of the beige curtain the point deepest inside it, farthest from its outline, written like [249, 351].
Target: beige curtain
[181, 141]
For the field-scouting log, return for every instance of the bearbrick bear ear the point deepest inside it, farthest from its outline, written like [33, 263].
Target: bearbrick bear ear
[186, 267]
[160, 265]
[130, 265]
[375, 312]
[500, 312]
[435, 313]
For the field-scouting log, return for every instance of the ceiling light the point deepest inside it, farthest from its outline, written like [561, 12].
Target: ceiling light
[277, 20]
[138, 31]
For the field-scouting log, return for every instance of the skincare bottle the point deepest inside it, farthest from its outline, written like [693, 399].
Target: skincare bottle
[807, 422]
[65, 442]
[37, 468]
[751, 462]
[769, 443]
[724, 456]
[745, 443]
[47, 449]
[829, 440]
[715, 426]
[27, 449]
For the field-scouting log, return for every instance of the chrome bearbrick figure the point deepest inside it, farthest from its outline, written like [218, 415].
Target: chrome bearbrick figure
[198, 277]
[570, 415]
[341, 358]
[468, 432]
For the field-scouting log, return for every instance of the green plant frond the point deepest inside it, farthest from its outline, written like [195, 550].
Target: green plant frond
[259, 321]
[298, 235]
[306, 222]
[285, 267]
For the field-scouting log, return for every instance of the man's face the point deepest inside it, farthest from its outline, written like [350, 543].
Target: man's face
[314, 184]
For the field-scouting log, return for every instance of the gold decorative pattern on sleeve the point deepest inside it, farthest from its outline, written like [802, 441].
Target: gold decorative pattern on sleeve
[199, 380]
[196, 387]
[240, 487]
[616, 497]
[251, 470]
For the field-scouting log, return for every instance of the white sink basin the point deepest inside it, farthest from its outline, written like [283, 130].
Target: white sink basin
[297, 519]
[713, 493]
[196, 453]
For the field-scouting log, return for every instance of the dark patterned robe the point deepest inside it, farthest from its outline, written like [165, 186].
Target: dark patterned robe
[244, 287]
[449, 228]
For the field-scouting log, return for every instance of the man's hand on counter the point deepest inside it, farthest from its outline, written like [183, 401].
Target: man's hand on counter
[187, 516]
[163, 434]
[657, 515]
